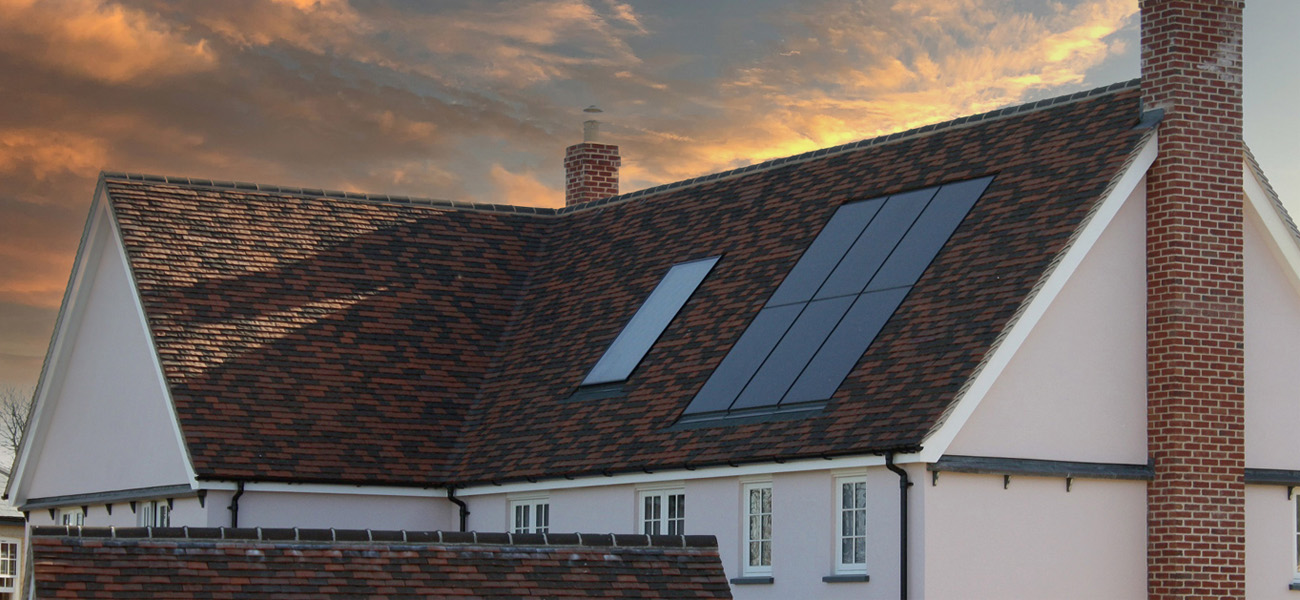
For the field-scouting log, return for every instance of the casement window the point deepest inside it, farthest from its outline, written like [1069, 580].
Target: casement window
[662, 511]
[8, 566]
[74, 517]
[530, 515]
[154, 513]
[851, 524]
[758, 528]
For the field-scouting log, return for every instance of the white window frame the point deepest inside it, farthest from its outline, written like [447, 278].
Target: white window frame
[670, 504]
[529, 514]
[1295, 527]
[153, 513]
[73, 517]
[9, 567]
[751, 520]
[851, 568]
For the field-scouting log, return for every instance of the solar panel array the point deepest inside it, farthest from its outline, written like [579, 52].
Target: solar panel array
[649, 322]
[836, 299]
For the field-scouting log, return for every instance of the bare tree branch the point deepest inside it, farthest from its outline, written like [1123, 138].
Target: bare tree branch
[15, 403]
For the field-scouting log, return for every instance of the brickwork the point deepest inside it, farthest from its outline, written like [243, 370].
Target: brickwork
[590, 172]
[1191, 68]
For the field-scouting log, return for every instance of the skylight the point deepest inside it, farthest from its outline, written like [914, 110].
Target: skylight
[649, 322]
[834, 302]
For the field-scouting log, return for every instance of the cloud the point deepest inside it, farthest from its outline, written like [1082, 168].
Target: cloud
[523, 189]
[44, 152]
[845, 71]
[103, 41]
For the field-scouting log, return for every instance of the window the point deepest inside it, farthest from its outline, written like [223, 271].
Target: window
[154, 513]
[649, 322]
[74, 517]
[663, 512]
[8, 566]
[758, 528]
[530, 515]
[851, 534]
[1296, 499]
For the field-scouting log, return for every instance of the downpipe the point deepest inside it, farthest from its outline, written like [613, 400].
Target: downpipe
[903, 484]
[464, 508]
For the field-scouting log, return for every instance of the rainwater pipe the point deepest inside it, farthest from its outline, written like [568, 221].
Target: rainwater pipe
[234, 505]
[464, 509]
[903, 484]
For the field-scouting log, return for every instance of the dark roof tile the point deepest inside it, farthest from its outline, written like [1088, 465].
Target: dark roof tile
[103, 564]
[353, 338]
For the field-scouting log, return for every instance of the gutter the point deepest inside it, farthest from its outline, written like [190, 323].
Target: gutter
[464, 509]
[903, 484]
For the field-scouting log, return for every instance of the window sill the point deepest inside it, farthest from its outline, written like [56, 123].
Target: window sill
[751, 580]
[1295, 585]
[847, 578]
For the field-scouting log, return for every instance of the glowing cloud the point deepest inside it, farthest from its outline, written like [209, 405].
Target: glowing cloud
[103, 41]
[523, 189]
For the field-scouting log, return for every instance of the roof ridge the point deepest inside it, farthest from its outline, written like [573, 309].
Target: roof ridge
[381, 536]
[866, 143]
[317, 193]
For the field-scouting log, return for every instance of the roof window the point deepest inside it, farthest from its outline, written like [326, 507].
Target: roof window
[649, 322]
[834, 302]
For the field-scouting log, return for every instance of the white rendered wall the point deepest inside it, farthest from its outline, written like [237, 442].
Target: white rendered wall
[804, 523]
[341, 511]
[1076, 388]
[1272, 356]
[110, 400]
[1270, 543]
[185, 511]
[1033, 539]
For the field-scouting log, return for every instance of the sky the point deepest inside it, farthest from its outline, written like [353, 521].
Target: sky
[476, 100]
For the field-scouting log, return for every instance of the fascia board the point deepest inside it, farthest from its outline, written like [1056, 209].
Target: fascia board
[936, 445]
[676, 476]
[65, 328]
[1284, 244]
[681, 475]
[323, 488]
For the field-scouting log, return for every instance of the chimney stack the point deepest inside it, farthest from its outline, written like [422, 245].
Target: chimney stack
[1192, 70]
[590, 168]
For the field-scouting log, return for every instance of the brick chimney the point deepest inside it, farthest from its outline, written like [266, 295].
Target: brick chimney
[1191, 69]
[590, 168]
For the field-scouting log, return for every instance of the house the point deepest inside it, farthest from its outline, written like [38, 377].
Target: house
[181, 563]
[12, 533]
[1039, 352]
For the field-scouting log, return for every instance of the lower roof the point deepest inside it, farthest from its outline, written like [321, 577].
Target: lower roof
[181, 563]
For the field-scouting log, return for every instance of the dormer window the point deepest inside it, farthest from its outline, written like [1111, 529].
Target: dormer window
[649, 322]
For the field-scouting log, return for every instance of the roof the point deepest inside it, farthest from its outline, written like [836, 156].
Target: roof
[326, 337]
[181, 563]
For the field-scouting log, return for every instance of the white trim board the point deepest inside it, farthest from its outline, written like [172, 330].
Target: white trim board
[65, 327]
[936, 445]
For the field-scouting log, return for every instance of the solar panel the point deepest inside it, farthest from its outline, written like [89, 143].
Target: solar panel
[649, 322]
[825, 252]
[832, 363]
[874, 246]
[836, 299]
[930, 233]
[793, 352]
[745, 358]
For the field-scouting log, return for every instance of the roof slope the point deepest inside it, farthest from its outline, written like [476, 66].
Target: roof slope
[308, 339]
[359, 339]
[250, 563]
